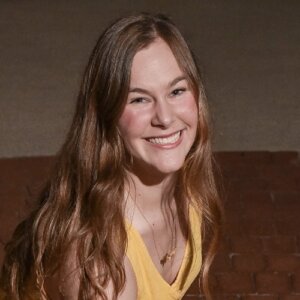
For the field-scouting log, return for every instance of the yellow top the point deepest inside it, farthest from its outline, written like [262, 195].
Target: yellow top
[150, 283]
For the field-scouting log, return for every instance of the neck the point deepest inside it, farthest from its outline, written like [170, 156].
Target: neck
[149, 192]
[151, 208]
[148, 196]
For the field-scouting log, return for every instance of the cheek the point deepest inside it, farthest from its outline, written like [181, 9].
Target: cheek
[125, 120]
[132, 123]
[189, 111]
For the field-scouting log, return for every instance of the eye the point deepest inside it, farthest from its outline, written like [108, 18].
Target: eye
[178, 91]
[138, 100]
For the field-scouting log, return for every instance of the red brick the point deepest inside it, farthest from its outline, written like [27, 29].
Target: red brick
[279, 244]
[287, 212]
[291, 171]
[287, 224]
[25, 169]
[235, 282]
[234, 223]
[247, 185]
[1, 254]
[257, 204]
[194, 288]
[281, 183]
[246, 244]
[232, 200]
[222, 263]
[259, 208]
[284, 197]
[225, 297]
[256, 196]
[272, 283]
[286, 201]
[193, 297]
[290, 297]
[283, 178]
[296, 282]
[241, 171]
[283, 262]
[284, 157]
[260, 297]
[10, 221]
[225, 246]
[248, 263]
[239, 157]
[20, 181]
[259, 226]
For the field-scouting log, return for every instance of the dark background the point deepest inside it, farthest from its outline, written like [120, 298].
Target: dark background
[249, 52]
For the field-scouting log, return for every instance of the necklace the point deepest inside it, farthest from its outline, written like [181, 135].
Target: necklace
[170, 253]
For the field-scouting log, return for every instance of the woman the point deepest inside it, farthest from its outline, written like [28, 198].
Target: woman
[124, 214]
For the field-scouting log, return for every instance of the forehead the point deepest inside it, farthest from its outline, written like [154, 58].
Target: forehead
[154, 63]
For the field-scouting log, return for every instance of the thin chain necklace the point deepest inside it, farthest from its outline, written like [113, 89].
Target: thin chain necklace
[170, 253]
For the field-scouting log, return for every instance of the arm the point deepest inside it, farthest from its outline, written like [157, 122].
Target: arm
[130, 290]
[68, 289]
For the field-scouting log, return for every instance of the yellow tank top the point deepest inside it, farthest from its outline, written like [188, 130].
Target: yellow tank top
[150, 283]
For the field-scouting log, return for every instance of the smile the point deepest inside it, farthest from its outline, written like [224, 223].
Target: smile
[165, 140]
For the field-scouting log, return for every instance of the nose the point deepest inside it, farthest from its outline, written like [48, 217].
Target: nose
[163, 114]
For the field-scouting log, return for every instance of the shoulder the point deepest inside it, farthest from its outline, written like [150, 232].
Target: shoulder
[67, 287]
[130, 290]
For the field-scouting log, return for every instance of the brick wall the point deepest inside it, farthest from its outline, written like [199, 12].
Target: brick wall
[260, 254]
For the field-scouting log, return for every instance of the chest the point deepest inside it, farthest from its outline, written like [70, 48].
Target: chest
[165, 246]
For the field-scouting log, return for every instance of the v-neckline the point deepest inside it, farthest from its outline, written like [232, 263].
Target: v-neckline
[174, 284]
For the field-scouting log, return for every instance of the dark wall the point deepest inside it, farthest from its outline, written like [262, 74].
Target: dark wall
[248, 50]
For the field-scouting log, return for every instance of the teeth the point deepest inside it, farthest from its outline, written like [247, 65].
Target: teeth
[164, 141]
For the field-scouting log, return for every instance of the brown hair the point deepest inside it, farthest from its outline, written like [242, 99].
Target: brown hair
[82, 206]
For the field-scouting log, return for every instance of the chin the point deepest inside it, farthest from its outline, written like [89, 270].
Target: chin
[158, 169]
[168, 168]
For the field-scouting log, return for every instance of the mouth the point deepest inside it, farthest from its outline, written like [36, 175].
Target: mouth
[171, 139]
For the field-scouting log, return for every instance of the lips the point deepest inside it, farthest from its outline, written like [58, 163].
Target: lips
[171, 139]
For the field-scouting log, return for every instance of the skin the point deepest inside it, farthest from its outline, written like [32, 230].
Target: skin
[160, 104]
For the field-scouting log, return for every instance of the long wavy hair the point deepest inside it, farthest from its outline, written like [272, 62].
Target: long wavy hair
[81, 209]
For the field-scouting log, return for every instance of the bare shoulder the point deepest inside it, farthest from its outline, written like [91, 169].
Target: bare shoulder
[130, 290]
[68, 287]
[64, 284]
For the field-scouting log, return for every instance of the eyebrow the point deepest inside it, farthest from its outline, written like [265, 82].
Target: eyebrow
[144, 91]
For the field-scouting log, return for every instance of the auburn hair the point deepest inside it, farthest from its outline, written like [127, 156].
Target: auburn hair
[81, 209]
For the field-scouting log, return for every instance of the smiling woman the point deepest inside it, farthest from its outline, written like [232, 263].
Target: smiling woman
[133, 192]
[159, 121]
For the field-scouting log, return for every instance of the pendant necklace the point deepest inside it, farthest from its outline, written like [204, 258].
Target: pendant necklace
[170, 253]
